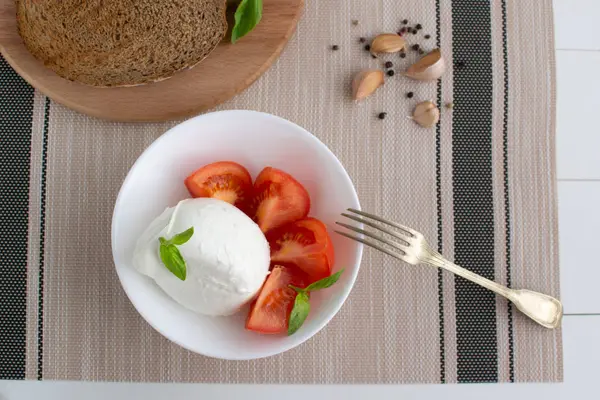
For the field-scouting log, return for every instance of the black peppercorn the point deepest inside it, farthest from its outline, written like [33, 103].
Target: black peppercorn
[416, 47]
[391, 72]
[410, 95]
[403, 55]
[419, 26]
[368, 47]
[414, 31]
[373, 56]
[405, 21]
[382, 115]
[427, 36]
[335, 47]
[389, 64]
[403, 30]
[362, 40]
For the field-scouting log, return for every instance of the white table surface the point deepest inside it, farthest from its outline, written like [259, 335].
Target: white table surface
[578, 163]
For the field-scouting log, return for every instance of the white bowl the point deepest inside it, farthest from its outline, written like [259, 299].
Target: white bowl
[155, 181]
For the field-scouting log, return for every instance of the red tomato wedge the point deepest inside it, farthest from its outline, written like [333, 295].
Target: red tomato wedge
[224, 180]
[304, 244]
[270, 312]
[278, 199]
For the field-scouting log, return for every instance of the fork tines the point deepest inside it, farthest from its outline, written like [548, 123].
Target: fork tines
[403, 233]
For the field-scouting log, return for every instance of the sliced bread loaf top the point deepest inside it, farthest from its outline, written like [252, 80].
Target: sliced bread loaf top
[120, 42]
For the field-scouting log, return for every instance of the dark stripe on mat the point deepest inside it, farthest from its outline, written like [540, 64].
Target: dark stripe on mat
[438, 182]
[477, 347]
[511, 350]
[40, 334]
[16, 114]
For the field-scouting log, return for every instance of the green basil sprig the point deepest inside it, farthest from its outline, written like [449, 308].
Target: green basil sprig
[302, 304]
[170, 255]
[247, 16]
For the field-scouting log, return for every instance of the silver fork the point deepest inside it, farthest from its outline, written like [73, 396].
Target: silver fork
[412, 248]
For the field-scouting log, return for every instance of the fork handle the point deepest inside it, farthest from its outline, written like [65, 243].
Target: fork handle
[437, 260]
[543, 309]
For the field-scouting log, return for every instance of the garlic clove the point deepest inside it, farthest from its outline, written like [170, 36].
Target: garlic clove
[426, 114]
[388, 43]
[366, 82]
[428, 68]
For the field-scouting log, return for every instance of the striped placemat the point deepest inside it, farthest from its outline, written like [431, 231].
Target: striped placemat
[481, 186]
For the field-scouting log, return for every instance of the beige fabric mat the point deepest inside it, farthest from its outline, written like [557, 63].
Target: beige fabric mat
[391, 329]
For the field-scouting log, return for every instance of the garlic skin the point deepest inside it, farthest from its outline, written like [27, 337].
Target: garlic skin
[388, 43]
[429, 68]
[426, 114]
[366, 82]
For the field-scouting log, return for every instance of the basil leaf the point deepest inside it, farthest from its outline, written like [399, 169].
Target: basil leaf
[183, 237]
[247, 16]
[325, 282]
[171, 257]
[297, 289]
[299, 312]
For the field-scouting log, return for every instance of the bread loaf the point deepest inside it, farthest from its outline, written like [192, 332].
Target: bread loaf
[120, 42]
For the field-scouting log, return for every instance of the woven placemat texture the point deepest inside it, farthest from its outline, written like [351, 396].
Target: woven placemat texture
[481, 186]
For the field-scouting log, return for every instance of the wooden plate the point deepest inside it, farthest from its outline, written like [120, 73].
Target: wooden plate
[228, 70]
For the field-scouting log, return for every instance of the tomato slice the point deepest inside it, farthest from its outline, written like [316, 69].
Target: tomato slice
[270, 312]
[304, 244]
[224, 180]
[278, 199]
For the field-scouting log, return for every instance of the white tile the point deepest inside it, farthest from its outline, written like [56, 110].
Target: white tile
[578, 106]
[576, 24]
[579, 230]
[581, 353]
